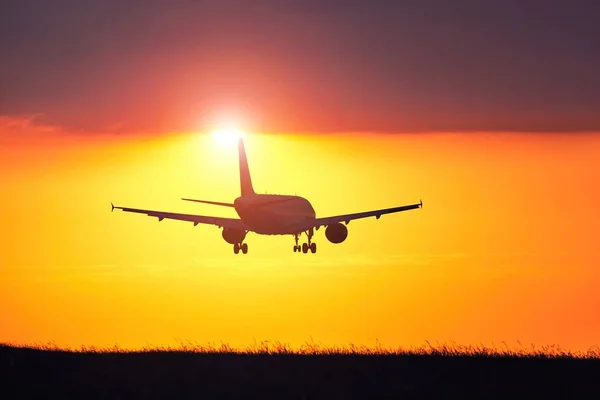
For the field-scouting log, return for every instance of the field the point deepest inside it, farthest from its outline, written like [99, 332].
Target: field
[276, 371]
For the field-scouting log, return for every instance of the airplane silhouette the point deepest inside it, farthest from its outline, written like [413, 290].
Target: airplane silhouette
[270, 214]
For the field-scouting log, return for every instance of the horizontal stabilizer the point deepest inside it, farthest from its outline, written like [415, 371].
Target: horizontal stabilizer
[215, 203]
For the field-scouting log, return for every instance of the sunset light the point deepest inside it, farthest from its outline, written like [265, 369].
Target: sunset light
[359, 174]
[227, 136]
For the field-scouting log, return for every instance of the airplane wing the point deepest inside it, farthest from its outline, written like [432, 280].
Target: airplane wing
[231, 223]
[317, 223]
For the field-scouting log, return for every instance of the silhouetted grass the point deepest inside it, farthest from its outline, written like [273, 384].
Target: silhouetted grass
[312, 348]
[277, 370]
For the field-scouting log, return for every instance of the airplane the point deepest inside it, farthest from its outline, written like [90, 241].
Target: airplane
[270, 214]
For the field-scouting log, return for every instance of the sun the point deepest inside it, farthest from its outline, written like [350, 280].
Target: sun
[227, 136]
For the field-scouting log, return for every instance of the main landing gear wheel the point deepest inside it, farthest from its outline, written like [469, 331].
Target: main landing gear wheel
[306, 247]
[240, 246]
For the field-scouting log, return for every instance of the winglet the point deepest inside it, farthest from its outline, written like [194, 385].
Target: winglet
[112, 207]
[420, 203]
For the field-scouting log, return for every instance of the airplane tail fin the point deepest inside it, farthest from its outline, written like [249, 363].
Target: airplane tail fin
[245, 180]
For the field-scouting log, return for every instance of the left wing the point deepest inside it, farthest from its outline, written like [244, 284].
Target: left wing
[317, 223]
[231, 223]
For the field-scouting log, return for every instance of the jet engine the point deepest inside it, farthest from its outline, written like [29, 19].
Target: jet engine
[233, 236]
[336, 233]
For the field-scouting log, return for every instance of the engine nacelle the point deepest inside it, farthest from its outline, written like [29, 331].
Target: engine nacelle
[233, 236]
[336, 233]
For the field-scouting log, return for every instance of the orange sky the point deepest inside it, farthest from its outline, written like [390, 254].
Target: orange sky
[503, 250]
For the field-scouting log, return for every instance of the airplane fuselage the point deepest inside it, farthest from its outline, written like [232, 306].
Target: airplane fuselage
[270, 214]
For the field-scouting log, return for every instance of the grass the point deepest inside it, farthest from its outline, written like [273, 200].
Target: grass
[312, 348]
[277, 370]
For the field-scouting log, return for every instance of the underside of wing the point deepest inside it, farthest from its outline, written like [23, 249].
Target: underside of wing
[230, 223]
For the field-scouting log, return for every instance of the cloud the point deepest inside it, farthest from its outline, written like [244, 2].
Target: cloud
[32, 128]
[25, 128]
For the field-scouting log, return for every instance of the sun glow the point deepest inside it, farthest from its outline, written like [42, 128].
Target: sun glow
[227, 136]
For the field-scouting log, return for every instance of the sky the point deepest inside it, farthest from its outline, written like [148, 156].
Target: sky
[502, 250]
[303, 65]
[487, 111]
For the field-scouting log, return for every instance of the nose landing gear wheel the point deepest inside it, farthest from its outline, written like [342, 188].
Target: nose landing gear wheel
[236, 248]
[244, 247]
[296, 246]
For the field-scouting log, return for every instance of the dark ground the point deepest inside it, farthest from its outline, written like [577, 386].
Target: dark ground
[26, 373]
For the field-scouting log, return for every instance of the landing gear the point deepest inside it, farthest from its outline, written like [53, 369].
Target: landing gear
[240, 246]
[305, 246]
[296, 246]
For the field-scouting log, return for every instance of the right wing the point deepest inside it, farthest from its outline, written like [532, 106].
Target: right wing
[231, 223]
[346, 218]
